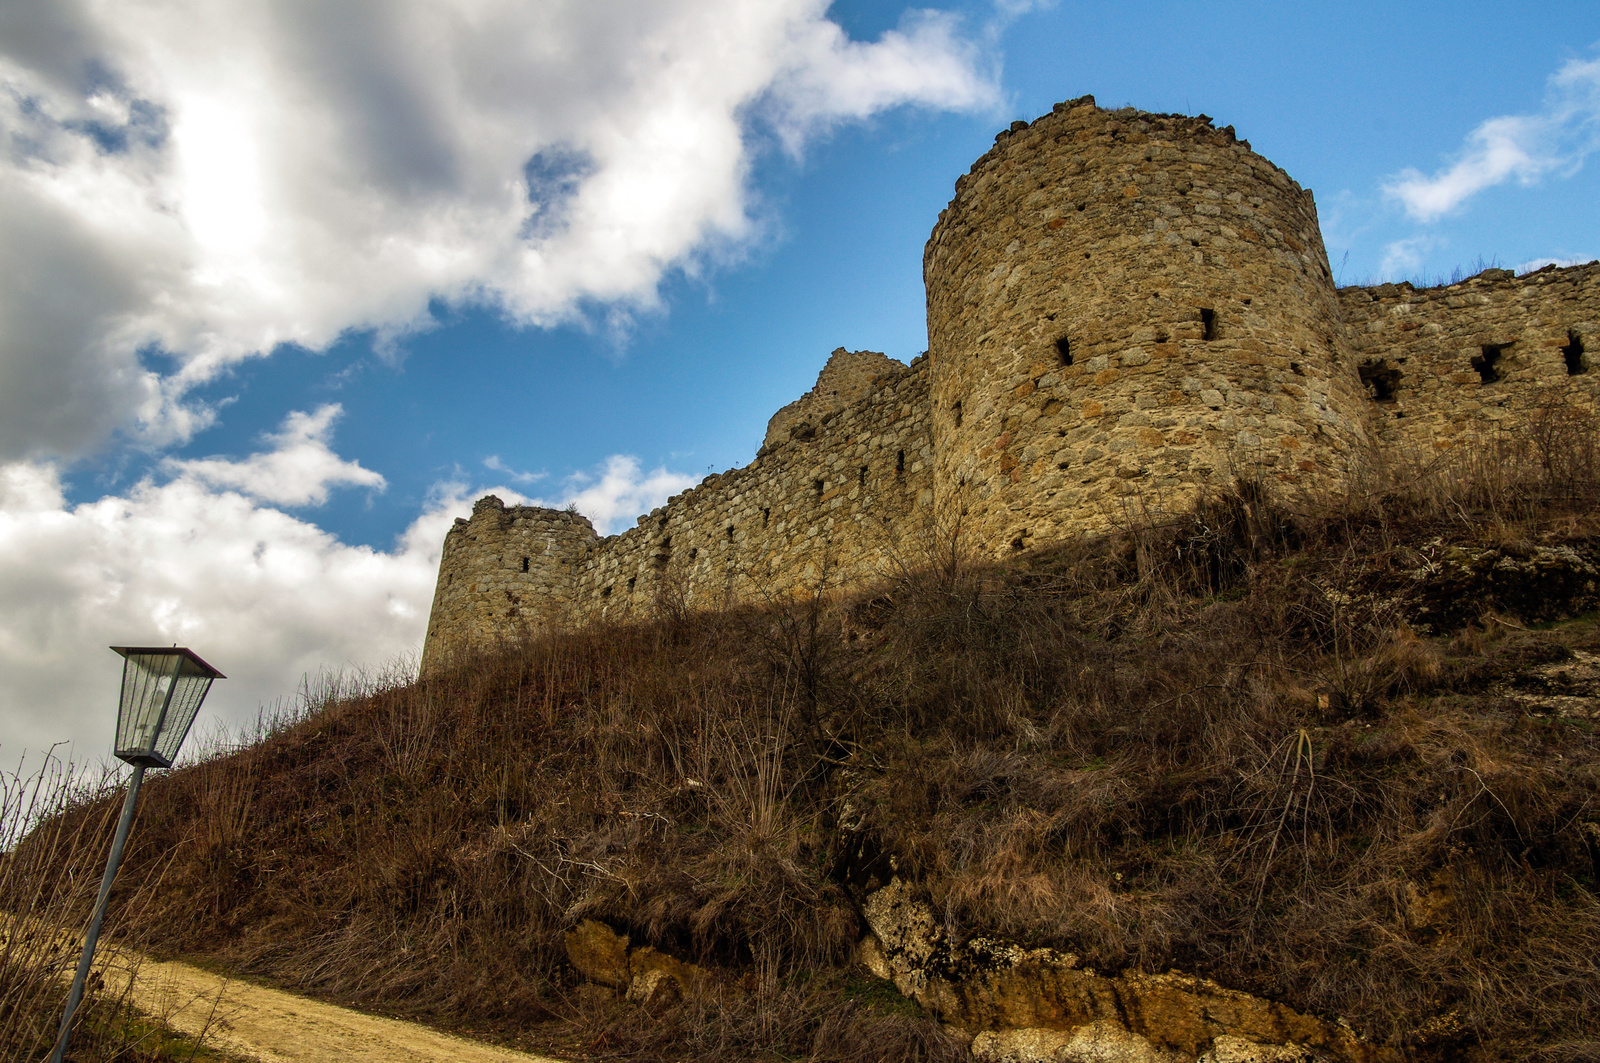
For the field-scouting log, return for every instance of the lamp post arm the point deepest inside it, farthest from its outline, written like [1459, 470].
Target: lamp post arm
[75, 996]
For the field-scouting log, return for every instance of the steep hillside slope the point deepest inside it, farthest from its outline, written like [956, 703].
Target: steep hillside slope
[1339, 755]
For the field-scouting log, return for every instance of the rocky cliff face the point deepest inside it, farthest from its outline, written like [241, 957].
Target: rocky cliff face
[1013, 1004]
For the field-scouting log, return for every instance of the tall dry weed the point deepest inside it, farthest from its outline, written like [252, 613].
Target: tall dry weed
[57, 820]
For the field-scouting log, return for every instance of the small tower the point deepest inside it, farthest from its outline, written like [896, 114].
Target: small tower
[510, 570]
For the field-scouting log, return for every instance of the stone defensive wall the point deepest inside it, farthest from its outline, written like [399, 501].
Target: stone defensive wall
[840, 493]
[1123, 310]
[1487, 355]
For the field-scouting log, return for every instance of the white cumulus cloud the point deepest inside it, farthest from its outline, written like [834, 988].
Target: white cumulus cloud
[493, 462]
[297, 471]
[612, 495]
[263, 595]
[1539, 263]
[206, 559]
[185, 186]
[1522, 147]
[1403, 256]
[214, 178]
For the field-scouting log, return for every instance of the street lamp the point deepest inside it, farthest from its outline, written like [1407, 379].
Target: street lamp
[162, 689]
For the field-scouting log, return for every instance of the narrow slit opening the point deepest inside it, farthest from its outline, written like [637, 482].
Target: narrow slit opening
[1573, 354]
[956, 410]
[900, 462]
[1064, 350]
[1208, 324]
[525, 564]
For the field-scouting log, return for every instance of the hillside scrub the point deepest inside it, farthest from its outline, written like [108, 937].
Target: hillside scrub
[1304, 747]
[47, 886]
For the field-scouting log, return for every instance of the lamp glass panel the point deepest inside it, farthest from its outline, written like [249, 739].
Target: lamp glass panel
[192, 687]
[146, 680]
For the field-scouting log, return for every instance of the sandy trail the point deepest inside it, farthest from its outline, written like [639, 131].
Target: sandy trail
[272, 1026]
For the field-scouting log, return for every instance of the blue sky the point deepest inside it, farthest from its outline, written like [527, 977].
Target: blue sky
[289, 285]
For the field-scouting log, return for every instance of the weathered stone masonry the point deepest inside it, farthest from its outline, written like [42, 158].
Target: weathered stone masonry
[1127, 305]
[843, 480]
[1471, 358]
[1123, 308]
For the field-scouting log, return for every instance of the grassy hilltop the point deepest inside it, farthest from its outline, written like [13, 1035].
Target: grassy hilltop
[1340, 753]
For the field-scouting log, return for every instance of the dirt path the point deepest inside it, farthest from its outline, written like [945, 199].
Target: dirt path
[272, 1026]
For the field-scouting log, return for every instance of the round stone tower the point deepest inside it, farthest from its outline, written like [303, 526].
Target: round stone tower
[1123, 308]
[508, 571]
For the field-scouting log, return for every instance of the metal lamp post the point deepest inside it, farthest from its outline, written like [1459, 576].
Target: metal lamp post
[162, 688]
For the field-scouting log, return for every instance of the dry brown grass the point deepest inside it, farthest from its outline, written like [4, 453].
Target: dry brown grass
[46, 889]
[1219, 744]
[835, 1017]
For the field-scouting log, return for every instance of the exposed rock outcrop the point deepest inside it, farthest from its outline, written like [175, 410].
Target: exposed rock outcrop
[1454, 584]
[1026, 1005]
[645, 975]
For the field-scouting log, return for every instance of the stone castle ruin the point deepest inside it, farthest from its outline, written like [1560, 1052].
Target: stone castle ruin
[1124, 309]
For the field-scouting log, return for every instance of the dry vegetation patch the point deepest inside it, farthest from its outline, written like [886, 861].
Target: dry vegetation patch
[47, 886]
[1245, 744]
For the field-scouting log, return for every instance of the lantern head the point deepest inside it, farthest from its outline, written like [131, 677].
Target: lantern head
[162, 688]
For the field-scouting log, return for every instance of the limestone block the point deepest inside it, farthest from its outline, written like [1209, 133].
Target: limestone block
[1229, 1049]
[1095, 1043]
[599, 953]
[654, 988]
[870, 954]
